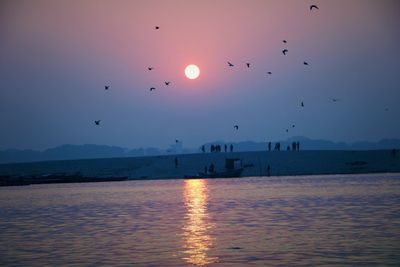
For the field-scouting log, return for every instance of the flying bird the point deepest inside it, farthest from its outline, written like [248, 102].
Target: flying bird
[335, 99]
[176, 141]
[156, 27]
[284, 51]
[236, 127]
[386, 109]
[150, 68]
[302, 104]
[106, 87]
[284, 41]
[230, 64]
[97, 122]
[152, 88]
[269, 72]
[313, 6]
[306, 63]
[293, 126]
[287, 130]
[248, 65]
[167, 83]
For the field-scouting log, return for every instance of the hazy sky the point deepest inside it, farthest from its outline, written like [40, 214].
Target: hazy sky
[56, 57]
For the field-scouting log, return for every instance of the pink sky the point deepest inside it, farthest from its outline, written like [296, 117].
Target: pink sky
[56, 56]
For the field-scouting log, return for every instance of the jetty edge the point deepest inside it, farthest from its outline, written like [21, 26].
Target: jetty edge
[255, 163]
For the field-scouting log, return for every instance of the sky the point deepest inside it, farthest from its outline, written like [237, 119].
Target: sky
[57, 56]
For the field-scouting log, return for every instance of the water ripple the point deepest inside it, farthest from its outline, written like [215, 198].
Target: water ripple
[275, 221]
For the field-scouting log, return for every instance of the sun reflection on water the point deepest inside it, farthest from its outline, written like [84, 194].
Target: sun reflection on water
[196, 231]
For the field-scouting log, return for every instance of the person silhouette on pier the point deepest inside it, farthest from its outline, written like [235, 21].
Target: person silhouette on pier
[176, 162]
[294, 146]
[211, 169]
[268, 170]
[277, 147]
[231, 147]
[269, 146]
[203, 149]
[225, 148]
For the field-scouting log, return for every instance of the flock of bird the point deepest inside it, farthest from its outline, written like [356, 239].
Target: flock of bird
[230, 64]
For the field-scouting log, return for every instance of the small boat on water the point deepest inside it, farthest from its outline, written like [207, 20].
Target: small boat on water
[233, 169]
[225, 174]
[54, 179]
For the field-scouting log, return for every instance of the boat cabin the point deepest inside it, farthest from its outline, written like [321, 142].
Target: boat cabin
[233, 164]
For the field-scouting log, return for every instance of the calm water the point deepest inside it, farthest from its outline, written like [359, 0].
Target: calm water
[310, 220]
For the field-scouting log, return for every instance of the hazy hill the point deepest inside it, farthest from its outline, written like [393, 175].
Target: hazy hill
[82, 151]
[102, 151]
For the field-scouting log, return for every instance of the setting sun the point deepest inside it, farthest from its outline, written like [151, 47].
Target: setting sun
[192, 71]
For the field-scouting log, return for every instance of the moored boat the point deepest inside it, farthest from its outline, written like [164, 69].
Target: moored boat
[233, 169]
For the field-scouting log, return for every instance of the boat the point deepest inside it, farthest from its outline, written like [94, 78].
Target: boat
[225, 174]
[233, 169]
[52, 178]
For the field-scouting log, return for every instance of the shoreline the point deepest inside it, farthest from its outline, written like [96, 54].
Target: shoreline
[123, 179]
[281, 163]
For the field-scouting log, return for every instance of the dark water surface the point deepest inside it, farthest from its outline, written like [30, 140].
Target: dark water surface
[276, 221]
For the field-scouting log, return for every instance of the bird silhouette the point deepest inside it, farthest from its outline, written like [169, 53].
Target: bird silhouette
[269, 72]
[287, 130]
[97, 122]
[150, 68]
[293, 126]
[335, 99]
[248, 65]
[302, 104]
[306, 63]
[106, 87]
[230, 64]
[284, 51]
[156, 27]
[284, 41]
[152, 88]
[313, 6]
[386, 109]
[167, 83]
[236, 127]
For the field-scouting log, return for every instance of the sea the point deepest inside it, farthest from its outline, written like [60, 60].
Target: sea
[327, 220]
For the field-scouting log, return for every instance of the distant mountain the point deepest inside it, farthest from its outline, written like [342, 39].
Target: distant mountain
[15, 155]
[61, 153]
[310, 144]
[83, 152]
[65, 152]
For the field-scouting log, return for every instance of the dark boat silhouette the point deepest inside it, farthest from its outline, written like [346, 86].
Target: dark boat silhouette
[224, 174]
[233, 169]
[55, 179]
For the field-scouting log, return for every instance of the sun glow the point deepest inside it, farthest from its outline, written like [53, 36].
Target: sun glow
[192, 71]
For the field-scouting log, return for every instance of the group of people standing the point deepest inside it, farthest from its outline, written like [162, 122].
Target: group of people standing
[209, 169]
[217, 148]
[295, 146]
